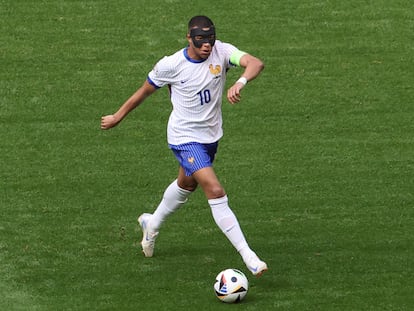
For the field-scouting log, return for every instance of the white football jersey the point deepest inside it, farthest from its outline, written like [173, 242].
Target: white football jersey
[196, 89]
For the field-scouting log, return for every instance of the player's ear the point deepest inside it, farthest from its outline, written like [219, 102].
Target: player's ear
[188, 38]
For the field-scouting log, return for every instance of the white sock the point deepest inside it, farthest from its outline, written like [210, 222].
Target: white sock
[228, 223]
[174, 197]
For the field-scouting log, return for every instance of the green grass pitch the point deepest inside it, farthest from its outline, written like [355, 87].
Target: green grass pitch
[317, 159]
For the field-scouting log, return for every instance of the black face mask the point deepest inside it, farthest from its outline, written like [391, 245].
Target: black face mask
[203, 36]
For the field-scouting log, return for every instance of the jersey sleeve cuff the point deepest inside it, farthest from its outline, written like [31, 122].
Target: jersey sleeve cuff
[152, 83]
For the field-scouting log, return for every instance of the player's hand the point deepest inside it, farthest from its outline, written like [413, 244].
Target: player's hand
[108, 122]
[233, 93]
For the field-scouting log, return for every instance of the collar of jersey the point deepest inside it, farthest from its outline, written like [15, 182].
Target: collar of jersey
[190, 59]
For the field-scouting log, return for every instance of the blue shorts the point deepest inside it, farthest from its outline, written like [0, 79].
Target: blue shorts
[194, 156]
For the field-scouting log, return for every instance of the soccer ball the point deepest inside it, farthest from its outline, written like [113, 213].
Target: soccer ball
[231, 285]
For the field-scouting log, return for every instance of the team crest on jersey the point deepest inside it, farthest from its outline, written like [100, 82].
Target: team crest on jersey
[215, 70]
[191, 160]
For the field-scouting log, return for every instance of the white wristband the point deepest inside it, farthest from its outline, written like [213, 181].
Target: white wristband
[242, 80]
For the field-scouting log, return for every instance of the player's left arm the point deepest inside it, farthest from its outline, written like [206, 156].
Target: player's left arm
[252, 68]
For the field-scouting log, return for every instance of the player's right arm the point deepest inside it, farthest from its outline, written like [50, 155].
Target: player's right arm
[134, 101]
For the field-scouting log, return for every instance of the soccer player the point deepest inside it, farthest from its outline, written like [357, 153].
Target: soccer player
[195, 76]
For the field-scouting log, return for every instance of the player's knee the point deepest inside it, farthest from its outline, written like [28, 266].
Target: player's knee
[186, 182]
[215, 192]
[189, 186]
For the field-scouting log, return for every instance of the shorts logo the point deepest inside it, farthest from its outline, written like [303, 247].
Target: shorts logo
[215, 71]
[190, 160]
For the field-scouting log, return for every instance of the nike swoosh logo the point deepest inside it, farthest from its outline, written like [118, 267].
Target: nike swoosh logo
[229, 229]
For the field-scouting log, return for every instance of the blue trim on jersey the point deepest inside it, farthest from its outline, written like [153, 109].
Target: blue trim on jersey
[196, 61]
[152, 83]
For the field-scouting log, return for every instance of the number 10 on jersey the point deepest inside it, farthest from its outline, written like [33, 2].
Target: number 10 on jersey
[205, 97]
